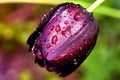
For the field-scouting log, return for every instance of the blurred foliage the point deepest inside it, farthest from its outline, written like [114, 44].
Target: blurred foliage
[18, 21]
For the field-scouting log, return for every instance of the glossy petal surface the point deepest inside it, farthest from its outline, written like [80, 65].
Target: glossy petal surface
[64, 38]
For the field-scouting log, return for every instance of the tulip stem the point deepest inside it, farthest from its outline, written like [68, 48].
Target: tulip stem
[94, 5]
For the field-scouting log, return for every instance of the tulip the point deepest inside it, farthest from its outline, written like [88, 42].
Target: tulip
[64, 38]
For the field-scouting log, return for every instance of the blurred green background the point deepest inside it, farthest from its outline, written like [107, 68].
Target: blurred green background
[19, 20]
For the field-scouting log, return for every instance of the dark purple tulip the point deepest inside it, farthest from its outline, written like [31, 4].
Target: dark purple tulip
[64, 38]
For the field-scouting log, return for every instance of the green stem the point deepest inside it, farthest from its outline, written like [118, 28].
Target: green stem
[94, 5]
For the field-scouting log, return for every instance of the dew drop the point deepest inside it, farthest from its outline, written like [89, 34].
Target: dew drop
[51, 27]
[70, 14]
[69, 10]
[40, 40]
[85, 23]
[58, 29]
[52, 8]
[67, 32]
[71, 54]
[44, 39]
[32, 50]
[81, 48]
[54, 39]
[53, 51]
[74, 60]
[84, 11]
[39, 55]
[46, 54]
[75, 63]
[63, 27]
[87, 54]
[78, 16]
[91, 18]
[86, 42]
[86, 35]
[48, 46]
[48, 33]
[73, 48]
[62, 55]
[66, 22]
[60, 16]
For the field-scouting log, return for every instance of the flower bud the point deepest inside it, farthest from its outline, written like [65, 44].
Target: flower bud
[64, 38]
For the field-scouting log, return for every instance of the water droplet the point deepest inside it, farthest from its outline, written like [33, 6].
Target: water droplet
[78, 6]
[81, 48]
[86, 42]
[75, 63]
[51, 27]
[54, 39]
[62, 55]
[85, 23]
[74, 60]
[53, 51]
[78, 16]
[40, 40]
[49, 68]
[58, 29]
[71, 54]
[56, 19]
[84, 10]
[91, 18]
[63, 27]
[52, 8]
[44, 39]
[87, 54]
[86, 35]
[60, 16]
[39, 55]
[48, 46]
[48, 33]
[66, 22]
[46, 54]
[32, 50]
[70, 10]
[67, 32]
[73, 48]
